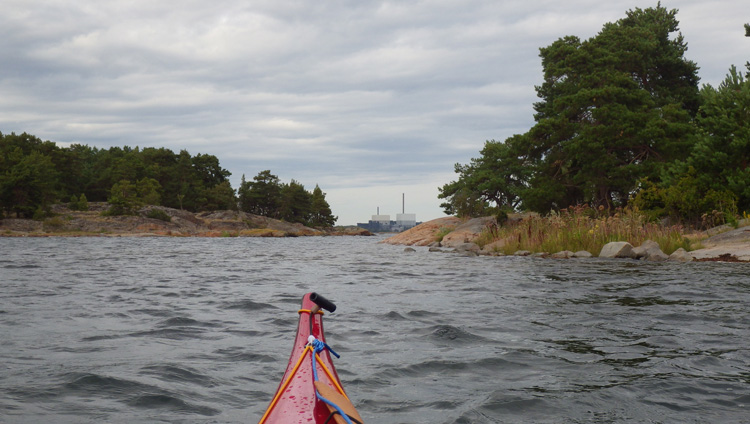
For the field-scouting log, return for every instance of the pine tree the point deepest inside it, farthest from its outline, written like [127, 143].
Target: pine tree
[83, 203]
[320, 210]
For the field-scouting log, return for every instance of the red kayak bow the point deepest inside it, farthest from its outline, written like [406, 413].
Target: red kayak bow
[310, 391]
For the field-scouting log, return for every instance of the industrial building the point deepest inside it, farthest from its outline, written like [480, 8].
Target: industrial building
[383, 223]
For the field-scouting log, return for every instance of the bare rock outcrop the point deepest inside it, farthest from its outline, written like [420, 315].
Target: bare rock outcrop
[426, 233]
[732, 245]
[467, 232]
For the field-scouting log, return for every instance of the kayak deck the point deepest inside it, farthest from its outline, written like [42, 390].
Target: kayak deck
[299, 397]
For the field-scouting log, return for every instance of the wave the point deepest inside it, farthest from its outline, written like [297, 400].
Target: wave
[185, 322]
[179, 374]
[249, 305]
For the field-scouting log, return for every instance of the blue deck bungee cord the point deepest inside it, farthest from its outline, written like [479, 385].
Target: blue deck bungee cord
[319, 346]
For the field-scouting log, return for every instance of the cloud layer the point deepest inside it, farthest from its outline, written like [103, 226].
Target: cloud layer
[368, 99]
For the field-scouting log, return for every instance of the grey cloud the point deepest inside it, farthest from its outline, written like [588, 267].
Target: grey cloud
[348, 93]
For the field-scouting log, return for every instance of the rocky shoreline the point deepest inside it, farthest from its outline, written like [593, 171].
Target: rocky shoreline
[173, 223]
[451, 234]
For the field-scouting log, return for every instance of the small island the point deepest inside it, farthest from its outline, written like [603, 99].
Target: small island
[155, 221]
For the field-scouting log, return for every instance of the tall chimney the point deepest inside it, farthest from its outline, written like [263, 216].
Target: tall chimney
[403, 203]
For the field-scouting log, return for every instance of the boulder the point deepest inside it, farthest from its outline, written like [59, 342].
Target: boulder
[681, 255]
[494, 247]
[582, 254]
[657, 256]
[522, 253]
[617, 249]
[645, 249]
[565, 254]
[467, 247]
[409, 250]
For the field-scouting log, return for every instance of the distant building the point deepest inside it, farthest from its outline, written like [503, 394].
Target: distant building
[383, 223]
[381, 219]
[406, 220]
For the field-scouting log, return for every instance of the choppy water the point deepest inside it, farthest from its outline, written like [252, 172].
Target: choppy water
[199, 330]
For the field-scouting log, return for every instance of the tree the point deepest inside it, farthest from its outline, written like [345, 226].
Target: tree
[296, 203]
[28, 184]
[721, 155]
[262, 196]
[83, 203]
[123, 198]
[221, 197]
[614, 109]
[209, 171]
[320, 210]
[498, 177]
[149, 191]
[73, 203]
[243, 193]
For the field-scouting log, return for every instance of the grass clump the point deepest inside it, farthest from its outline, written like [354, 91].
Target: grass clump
[442, 232]
[54, 224]
[582, 228]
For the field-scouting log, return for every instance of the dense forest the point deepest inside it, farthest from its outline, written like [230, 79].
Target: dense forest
[35, 174]
[621, 122]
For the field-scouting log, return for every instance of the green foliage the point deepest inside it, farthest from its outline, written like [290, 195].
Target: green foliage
[320, 211]
[712, 184]
[73, 203]
[28, 179]
[77, 203]
[262, 196]
[221, 197]
[83, 203]
[296, 203]
[159, 214]
[686, 199]
[266, 196]
[36, 174]
[614, 109]
[442, 232]
[123, 199]
[721, 157]
[499, 176]
[149, 191]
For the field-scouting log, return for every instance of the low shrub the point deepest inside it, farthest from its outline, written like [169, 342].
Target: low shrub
[158, 214]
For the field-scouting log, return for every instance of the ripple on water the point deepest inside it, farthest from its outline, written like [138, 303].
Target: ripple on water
[179, 374]
[145, 335]
[249, 305]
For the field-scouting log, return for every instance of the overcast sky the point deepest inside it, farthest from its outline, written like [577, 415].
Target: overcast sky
[368, 99]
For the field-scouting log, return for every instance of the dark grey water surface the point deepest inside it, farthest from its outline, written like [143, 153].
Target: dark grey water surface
[185, 330]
